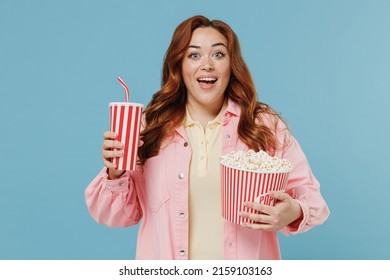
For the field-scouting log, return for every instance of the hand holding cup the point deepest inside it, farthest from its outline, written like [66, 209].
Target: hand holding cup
[112, 149]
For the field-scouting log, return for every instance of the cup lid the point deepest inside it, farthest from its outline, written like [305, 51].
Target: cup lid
[126, 104]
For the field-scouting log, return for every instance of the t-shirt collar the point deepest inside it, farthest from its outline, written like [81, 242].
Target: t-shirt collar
[218, 119]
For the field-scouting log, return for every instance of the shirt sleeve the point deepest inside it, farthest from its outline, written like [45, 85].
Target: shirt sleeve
[304, 188]
[113, 203]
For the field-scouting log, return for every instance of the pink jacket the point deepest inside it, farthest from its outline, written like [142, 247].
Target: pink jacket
[158, 197]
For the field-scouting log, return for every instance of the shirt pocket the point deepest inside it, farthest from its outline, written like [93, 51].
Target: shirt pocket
[156, 183]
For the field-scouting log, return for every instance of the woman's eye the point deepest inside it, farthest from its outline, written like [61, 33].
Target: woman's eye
[218, 55]
[194, 55]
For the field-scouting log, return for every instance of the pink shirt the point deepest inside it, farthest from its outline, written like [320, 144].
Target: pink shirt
[157, 196]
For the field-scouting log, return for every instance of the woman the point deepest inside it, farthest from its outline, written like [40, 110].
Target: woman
[207, 107]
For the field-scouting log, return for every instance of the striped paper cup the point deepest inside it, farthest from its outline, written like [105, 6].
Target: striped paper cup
[239, 186]
[125, 120]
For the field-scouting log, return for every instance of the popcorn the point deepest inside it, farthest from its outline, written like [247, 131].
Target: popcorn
[255, 162]
[250, 176]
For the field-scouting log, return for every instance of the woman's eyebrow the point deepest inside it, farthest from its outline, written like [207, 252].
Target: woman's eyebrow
[213, 45]
[219, 44]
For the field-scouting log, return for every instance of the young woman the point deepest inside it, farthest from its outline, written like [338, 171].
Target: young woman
[207, 106]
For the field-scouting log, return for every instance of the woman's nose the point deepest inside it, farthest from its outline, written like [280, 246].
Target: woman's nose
[207, 64]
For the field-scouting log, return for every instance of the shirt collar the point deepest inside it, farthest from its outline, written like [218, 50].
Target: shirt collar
[187, 119]
[232, 108]
[218, 119]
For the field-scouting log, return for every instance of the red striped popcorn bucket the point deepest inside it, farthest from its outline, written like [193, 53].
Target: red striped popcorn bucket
[125, 120]
[239, 186]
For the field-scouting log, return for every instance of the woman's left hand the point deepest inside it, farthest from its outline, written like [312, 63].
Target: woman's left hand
[273, 218]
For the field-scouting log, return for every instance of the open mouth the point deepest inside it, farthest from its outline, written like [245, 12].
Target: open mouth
[207, 80]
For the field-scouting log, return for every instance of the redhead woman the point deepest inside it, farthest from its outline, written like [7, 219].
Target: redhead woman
[207, 107]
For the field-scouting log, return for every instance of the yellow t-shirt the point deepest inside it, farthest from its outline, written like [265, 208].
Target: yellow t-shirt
[205, 218]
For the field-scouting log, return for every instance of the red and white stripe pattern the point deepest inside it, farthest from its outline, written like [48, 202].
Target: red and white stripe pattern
[125, 88]
[125, 120]
[239, 186]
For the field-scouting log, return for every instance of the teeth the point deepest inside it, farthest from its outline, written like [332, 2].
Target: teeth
[207, 80]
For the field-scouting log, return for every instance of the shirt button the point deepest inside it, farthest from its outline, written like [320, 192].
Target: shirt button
[182, 253]
[181, 215]
[185, 144]
[181, 175]
[230, 244]
[202, 157]
[228, 136]
[121, 183]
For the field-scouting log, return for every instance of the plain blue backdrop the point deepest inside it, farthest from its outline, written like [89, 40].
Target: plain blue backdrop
[324, 65]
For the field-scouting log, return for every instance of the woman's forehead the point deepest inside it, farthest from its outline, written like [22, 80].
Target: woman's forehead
[207, 36]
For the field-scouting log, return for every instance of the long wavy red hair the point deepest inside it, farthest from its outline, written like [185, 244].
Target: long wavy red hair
[166, 110]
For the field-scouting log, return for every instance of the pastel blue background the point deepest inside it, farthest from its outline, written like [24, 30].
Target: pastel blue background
[325, 65]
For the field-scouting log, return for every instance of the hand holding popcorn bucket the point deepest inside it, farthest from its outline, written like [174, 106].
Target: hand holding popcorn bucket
[250, 176]
[125, 121]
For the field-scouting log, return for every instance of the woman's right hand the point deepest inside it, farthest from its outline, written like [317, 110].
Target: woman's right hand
[112, 148]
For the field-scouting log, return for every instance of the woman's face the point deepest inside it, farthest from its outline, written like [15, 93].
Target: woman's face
[206, 68]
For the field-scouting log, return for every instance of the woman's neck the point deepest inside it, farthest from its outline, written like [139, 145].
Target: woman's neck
[204, 114]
